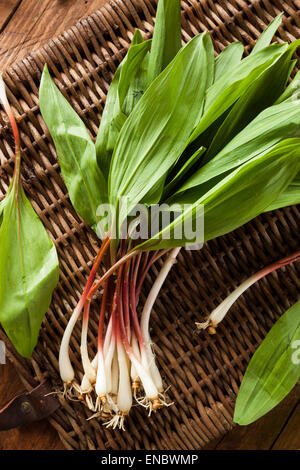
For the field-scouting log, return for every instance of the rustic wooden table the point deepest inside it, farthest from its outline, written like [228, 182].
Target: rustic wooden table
[25, 25]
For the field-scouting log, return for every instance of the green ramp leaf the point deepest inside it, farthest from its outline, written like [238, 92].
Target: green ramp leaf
[228, 59]
[166, 40]
[28, 272]
[76, 151]
[267, 35]
[273, 370]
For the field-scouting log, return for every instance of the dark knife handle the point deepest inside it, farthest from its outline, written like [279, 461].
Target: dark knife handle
[29, 407]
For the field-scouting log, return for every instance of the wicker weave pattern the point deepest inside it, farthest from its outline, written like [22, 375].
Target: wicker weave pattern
[204, 372]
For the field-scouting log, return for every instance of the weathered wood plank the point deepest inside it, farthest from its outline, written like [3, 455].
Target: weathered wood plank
[7, 9]
[35, 23]
[261, 434]
[289, 439]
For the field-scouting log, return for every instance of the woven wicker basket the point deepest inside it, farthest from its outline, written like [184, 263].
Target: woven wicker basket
[204, 372]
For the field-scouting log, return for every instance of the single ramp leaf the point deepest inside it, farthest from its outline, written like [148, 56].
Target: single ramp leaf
[273, 370]
[228, 59]
[267, 35]
[75, 149]
[166, 40]
[28, 272]
[130, 69]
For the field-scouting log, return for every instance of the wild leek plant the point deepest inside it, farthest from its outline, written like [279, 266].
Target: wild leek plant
[28, 259]
[183, 131]
[219, 313]
[272, 371]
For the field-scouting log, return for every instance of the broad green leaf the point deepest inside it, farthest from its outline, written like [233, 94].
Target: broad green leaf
[130, 69]
[154, 136]
[225, 91]
[75, 149]
[210, 68]
[272, 125]
[126, 88]
[237, 199]
[137, 38]
[273, 370]
[137, 87]
[289, 197]
[268, 34]
[111, 123]
[228, 59]
[261, 94]
[166, 40]
[28, 272]
[210, 60]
